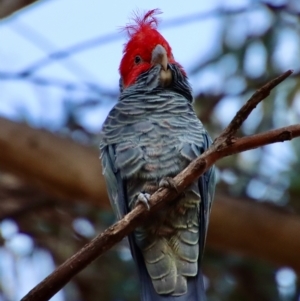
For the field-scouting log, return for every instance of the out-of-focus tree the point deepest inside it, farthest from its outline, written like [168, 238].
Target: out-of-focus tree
[256, 43]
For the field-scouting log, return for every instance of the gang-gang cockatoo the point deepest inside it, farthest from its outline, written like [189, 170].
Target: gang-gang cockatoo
[150, 135]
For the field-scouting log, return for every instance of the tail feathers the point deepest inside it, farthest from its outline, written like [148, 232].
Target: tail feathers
[195, 286]
[195, 291]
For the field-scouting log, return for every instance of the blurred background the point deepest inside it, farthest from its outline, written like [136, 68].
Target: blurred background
[59, 72]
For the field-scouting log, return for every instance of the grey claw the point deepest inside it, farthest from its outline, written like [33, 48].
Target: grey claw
[168, 182]
[144, 199]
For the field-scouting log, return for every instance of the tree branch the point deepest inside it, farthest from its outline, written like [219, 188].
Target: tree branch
[223, 146]
[251, 104]
[256, 230]
[58, 165]
[8, 7]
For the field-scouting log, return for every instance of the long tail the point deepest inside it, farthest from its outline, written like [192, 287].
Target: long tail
[195, 291]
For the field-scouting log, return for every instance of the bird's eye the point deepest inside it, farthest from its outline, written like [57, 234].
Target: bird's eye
[137, 59]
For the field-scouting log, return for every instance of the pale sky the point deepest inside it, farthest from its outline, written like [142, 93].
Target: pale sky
[55, 25]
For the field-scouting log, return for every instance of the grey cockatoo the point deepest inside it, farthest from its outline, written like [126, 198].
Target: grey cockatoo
[150, 135]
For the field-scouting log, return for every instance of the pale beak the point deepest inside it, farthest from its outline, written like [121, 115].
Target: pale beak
[159, 56]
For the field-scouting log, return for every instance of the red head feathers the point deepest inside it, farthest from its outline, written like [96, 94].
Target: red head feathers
[141, 51]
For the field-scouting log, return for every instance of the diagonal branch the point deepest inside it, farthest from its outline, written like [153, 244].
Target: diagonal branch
[223, 146]
[251, 104]
[81, 180]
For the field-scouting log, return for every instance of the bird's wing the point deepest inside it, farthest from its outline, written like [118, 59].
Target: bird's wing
[206, 184]
[114, 183]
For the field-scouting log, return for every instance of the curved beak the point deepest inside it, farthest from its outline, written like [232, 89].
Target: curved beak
[159, 56]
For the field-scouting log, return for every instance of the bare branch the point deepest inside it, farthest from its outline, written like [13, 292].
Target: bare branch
[103, 242]
[251, 104]
[224, 145]
[8, 7]
[57, 178]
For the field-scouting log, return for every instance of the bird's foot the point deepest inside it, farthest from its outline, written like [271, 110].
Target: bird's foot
[168, 182]
[143, 198]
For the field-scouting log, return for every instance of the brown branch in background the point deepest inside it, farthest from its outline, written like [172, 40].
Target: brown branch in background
[58, 165]
[8, 7]
[224, 145]
[253, 229]
[17, 199]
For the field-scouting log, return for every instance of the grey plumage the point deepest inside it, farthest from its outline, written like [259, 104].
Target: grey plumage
[152, 133]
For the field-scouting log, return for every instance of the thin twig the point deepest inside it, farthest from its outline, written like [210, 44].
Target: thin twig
[221, 148]
[251, 104]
